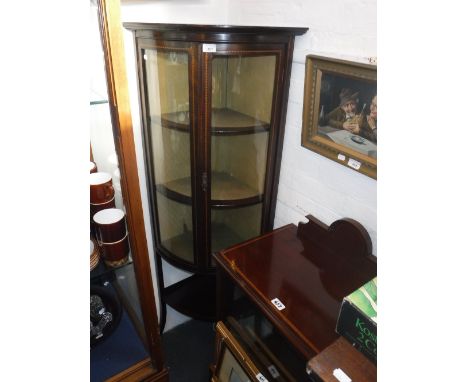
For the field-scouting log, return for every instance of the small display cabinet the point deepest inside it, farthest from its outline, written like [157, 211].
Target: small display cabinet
[279, 296]
[213, 105]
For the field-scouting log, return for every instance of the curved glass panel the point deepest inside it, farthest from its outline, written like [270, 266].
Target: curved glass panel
[233, 225]
[238, 165]
[168, 121]
[242, 96]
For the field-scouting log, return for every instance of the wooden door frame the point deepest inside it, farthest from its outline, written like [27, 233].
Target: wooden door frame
[141, 371]
[117, 87]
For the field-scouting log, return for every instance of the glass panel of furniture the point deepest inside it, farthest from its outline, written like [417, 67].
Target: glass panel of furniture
[117, 284]
[169, 129]
[213, 106]
[132, 349]
[263, 343]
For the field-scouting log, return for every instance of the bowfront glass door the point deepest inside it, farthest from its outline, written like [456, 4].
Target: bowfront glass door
[242, 92]
[169, 130]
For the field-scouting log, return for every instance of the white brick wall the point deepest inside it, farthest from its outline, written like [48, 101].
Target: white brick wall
[310, 183]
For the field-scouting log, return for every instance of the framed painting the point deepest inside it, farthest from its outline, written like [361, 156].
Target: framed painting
[233, 363]
[339, 119]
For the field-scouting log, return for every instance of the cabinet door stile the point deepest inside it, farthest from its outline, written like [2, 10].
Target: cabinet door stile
[206, 59]
[197, 138]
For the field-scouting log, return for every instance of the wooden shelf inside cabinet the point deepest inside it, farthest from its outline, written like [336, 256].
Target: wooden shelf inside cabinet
[179, 190]
[194, 296]
[224, 121]
[182, 245]
[230, 122]
[226, 191]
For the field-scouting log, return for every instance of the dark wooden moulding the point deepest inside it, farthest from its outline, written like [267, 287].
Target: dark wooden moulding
[223, 116]
[310, 268]
[195, 296]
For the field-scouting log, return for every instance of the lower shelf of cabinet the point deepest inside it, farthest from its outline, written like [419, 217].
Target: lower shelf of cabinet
[181, 246]
[194, 296]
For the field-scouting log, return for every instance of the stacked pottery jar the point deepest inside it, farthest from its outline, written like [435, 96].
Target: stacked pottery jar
[101, 192]
[101, 195]
[92, 167]
[93, 253]
[94, 249]
[111, 233]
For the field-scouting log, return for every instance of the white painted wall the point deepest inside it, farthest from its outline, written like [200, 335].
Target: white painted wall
[309, 183]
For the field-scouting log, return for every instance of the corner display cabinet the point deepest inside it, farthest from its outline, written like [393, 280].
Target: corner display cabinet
[213, 104]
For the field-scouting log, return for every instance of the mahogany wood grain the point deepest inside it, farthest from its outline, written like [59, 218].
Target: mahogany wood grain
[141, 371]
[309, 276]
[226, 191]
[341, 354]
[224, 122]
[214, 33]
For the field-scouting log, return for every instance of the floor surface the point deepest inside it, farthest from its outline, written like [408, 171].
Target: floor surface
[189, 350]
[121, 350]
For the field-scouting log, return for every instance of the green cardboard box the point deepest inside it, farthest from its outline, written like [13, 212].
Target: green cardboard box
[357, 320]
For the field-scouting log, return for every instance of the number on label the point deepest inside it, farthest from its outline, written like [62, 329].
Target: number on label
[209, 48]
[278, 304]
[354, 164]
[261, 378]
[273, 371]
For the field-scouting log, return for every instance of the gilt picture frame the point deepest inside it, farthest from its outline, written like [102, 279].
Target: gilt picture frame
[339, 118]
[233, 364]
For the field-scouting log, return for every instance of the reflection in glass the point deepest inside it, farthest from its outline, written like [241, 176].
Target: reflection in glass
[167, 77]
[265, 344]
